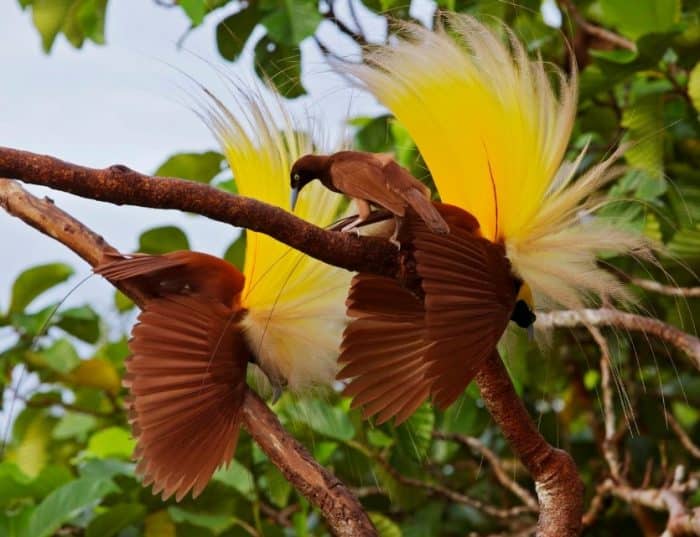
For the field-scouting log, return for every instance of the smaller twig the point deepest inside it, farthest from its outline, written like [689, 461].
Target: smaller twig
[654, 286]
[596, 31]
[281, 516]
[690, 345]
[498, 471]
[687, 442]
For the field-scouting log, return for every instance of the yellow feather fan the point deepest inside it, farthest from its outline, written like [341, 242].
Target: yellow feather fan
[296, 311]
[493, 131]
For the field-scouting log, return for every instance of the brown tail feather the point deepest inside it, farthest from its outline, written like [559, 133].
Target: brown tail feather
[187, 384]
[383, 348]
[427, 211]
[177, 273]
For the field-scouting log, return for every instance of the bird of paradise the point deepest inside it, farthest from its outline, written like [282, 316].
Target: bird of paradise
[205, 320]
[493, 131]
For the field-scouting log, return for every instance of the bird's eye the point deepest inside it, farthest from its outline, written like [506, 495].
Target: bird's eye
[296, 177]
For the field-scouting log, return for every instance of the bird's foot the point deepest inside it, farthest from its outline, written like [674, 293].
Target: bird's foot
[276, 392]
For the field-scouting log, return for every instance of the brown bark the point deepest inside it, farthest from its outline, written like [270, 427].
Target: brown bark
[558, 485]
[342, 511]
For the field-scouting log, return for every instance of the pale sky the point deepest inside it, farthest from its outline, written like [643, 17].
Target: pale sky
[123, 103]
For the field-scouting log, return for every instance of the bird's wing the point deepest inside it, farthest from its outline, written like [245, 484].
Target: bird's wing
[359, 178]
[187, 382]
[176, 272]
[383, 349]
[469, 298]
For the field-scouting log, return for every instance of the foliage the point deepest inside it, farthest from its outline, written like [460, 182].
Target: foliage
[67, 461]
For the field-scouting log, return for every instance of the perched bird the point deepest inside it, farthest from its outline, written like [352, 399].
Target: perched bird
[493, 133]
[369, 179]
[204, 320]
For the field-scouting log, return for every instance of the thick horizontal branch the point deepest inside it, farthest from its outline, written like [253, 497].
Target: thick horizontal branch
[687, 343]
[123, 186]
[341, 509]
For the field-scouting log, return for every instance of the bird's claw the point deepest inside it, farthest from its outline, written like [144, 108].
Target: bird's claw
[276, 393]
[396, 243]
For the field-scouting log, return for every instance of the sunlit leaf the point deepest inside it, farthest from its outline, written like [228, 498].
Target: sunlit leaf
[35, 281]
[200, 167]
[113, 442]
[96, 373]
[237, 477]
[159, 524]
[384, 525]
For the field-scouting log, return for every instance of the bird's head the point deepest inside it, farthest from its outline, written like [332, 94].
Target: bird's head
[524, 311]
[305, 170]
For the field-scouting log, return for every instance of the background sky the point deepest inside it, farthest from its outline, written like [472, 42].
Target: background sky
[124, 103]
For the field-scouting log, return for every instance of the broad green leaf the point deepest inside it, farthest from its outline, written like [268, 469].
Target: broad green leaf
[645, 123]
[113, 442]
[278, 488]
[415, 434]
[646, 16]
[200, 167]
[96, 373]
[694, 86]
[373, 134]
[13, 482]
[74, 425]
[159, 524]
[122, 302]
[237, 477]
[385, 526]
[377, 438]
[323, 418]
[61, 356]
[105, 468]
[217, 524]
[65, 503]
[115, 519]
[48, 17]
[233, 32]
[91, 15]
[195, 9]
[281, 66]
[34, 324]
[292, 21]
[35, 281]
[82, 322]
[235, 254]
[161, 240]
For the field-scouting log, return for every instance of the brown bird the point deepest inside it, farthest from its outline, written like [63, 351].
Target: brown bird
[402, 348]
[187, 372]
[369, 179]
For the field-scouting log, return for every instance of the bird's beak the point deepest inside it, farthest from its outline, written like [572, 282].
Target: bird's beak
[530, 332]
[293, 197]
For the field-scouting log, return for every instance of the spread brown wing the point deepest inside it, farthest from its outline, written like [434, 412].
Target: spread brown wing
[364, 179]
[469, 298]
[176, 272]
[383, 349]
[187, 382]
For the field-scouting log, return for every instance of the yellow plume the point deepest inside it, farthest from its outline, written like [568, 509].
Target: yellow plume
[493, 132]
[296, 311]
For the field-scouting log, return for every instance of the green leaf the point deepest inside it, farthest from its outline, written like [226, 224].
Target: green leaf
[91, 15]
[48, 17]
[122, 302]
[645, 17]
[278, 488]
[645, 123]
[416, 433]
[74, 425]
[35, 281]
[34, 324]
[200, 167]
[237, 477]
[373, 134]
[385, 526]
[161, 240]
[195, 10]
[82, 322]
[694, 86]
[115, 519]
[687, 415]
[323, 418]
[685, 244]
[292, 21]
[61, 356]
[233, 32]
[235, 254]
[113, 442]
[378, 439]
[64, 504]
[215, 523]
[280, 65]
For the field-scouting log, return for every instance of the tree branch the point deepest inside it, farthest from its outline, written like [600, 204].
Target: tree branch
[558, 485]
[595, 31]
[123, 186]
[342, 511]
[690, 345]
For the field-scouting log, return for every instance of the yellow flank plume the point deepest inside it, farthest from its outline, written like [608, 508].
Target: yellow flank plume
[296, 311]
[493, 131]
